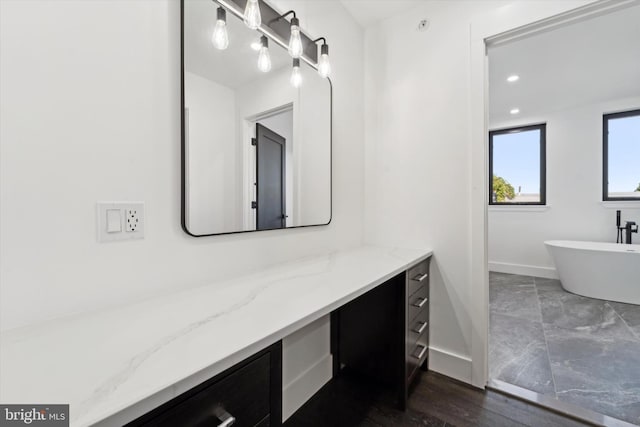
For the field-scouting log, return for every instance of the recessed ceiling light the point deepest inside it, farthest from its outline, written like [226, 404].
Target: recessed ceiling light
[513, 78]
[515, 111]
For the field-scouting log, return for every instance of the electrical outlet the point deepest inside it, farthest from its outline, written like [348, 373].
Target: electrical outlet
[133, 220]
[120, 221]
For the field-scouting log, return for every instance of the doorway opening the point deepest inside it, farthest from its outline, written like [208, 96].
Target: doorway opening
[548, 92]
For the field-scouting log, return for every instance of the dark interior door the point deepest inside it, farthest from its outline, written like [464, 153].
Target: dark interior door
[270, 185]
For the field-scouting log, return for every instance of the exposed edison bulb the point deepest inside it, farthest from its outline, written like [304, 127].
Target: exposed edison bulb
[324, 66]
[296, 75]
[264, 59]
[295, 41]
[252, 17]
[256, 45]
[220, 37]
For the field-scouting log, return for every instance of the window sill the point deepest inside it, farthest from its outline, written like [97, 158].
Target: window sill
[519, 208]
[617, 204]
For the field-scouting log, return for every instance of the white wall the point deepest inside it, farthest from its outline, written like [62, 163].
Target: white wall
[574, 193]
[312, 152]
[90, 110]
[212, 192]
[425, 163]
[417, 158]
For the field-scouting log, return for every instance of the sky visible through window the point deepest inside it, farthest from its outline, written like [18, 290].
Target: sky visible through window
[624, 154]
[516, 158]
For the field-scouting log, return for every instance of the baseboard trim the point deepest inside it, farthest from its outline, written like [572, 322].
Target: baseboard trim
[450, 364]
[523, 270]
[298, 391]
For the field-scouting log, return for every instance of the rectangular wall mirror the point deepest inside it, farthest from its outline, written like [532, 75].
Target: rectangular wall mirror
[256, 150]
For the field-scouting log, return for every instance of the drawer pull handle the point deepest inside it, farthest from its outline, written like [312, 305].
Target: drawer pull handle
[422, 352]
[228, 422]
[421, 328]
[227, 419]
[420, 277]
[422, 302]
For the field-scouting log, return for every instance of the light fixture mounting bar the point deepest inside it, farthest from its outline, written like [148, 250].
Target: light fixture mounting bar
[278, 29]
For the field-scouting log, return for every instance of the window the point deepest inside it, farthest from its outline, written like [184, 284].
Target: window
[517, 166]
[621, 156]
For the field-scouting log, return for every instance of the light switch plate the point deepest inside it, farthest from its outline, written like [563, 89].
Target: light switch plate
[112, 214]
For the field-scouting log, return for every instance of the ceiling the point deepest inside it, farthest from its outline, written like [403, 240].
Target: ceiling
[369, 12]
[592, 61]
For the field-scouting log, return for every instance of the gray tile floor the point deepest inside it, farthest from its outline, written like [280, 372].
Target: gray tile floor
[579, 350]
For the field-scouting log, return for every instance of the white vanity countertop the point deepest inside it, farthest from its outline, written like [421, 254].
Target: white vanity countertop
[104, 362]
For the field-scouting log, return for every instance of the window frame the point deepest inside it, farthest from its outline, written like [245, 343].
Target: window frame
[542, 127]
[605, 155]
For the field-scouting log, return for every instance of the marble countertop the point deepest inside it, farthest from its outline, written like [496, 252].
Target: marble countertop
[146, 353]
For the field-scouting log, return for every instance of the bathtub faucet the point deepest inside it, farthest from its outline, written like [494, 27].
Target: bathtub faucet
[631, 227]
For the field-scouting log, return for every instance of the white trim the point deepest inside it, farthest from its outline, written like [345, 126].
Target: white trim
[628, 204]
[450, 364]
[523, 270]
[519, 208]
[299, 390]
[570, 16]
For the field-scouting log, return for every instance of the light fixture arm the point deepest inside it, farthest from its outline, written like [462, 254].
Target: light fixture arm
[324, 48]
[284, 15]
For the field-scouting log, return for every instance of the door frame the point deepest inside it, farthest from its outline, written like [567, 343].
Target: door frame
[249, 219]
[502, 25]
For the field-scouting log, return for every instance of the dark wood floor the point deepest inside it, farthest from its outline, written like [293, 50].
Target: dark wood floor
[435, 401]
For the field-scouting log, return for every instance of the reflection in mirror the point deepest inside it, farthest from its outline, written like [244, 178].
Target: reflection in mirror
[257, 146]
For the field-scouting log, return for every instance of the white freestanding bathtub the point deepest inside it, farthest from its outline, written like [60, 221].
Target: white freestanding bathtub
[598, 270]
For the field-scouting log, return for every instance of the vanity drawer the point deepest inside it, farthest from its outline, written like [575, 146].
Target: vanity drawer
[417, 302]
[417, 354]
[417, 277]
[248, 394]
[417, 327]
[243, 394]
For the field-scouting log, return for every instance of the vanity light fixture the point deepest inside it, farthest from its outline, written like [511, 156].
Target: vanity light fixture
[513, 78]
[324, 66]
[296, 76]
[514, 111]
[220, 37]
[252, 16]
[264, 60]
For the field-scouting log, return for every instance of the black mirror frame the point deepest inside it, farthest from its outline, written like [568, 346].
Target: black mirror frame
[183, 158]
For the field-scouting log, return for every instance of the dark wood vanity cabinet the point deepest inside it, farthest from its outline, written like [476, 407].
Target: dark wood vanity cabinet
[246, 395]
[417, 318]
[384, 334]
[381, 337]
